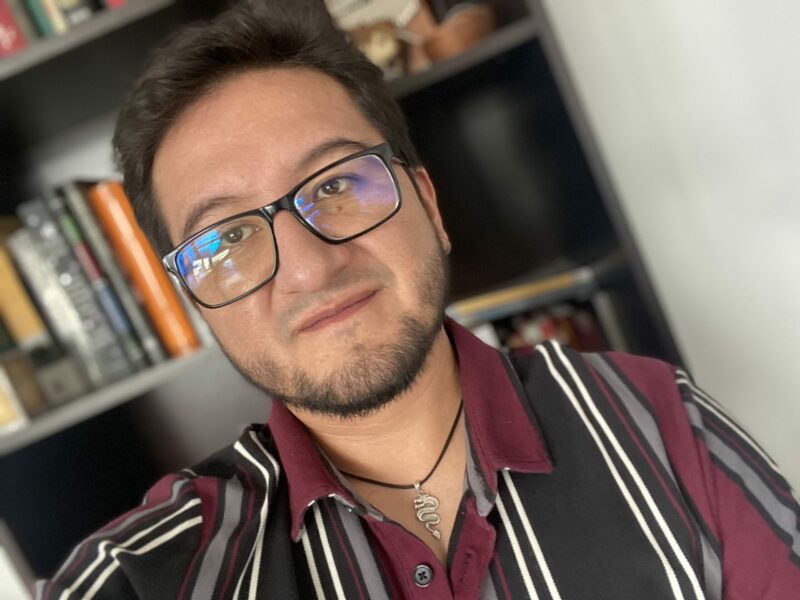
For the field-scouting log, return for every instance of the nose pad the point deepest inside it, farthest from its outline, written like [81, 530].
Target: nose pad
[288, 228]
[307, 262]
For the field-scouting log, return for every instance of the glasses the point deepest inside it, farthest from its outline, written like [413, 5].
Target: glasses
[238, 255]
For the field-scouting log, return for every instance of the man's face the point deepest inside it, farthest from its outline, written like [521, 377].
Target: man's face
[341, 329]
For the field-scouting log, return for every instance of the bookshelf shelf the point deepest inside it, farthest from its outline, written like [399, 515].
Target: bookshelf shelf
[502, 40]
[41, 51]
[562, 280]
[101, 400]
[524, 297]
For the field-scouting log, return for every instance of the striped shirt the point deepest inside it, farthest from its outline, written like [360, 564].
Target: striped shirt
[588, 476]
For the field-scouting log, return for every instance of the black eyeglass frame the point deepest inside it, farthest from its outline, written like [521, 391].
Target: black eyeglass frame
[286, 202]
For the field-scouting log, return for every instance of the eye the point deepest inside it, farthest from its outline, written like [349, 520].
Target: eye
[333, 187]
[237, 233]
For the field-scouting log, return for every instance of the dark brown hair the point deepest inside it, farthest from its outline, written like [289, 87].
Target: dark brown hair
[251, 34]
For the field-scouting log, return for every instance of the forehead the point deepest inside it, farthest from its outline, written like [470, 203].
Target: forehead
[247, 136]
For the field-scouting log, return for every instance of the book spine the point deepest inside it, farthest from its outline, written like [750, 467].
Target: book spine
[18, 311]
[59, 376]
[76, 11]
[17, 8]
[39, 17]
[115, 215]
[22, 376]
[105, 295]
[62, 377]
[12, 39]
[95, 340]
[55, 16]
[41, 279]
[74, 196]
[12, 414]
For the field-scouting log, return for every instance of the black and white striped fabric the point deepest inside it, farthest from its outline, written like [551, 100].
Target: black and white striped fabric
[588, 476]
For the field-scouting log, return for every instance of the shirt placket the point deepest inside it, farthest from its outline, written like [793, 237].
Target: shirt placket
[469, 563]
[412, 565]
[416, 569]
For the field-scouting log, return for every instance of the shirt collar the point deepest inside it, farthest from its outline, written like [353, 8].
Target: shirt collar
[502, 430]
[500, 422]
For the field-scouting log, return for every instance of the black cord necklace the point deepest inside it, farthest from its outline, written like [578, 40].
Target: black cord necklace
[425, 504]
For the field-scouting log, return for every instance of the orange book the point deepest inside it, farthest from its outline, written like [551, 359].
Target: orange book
[143, 268]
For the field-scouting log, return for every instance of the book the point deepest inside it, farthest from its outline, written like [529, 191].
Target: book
[38, 15]
[135, 255]
[12, 414]
[91, 337]
[17, 8]
[77, 11]
[60, 377]
[12, 38]
[20, 396]
[18, 312]
[21, 375]
[74, 194]
[105, 294]
[114, 3]
[56, 17]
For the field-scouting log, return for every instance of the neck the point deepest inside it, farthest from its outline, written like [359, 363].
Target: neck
[400, 442]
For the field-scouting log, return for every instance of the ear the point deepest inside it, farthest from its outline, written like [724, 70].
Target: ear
[427, 197]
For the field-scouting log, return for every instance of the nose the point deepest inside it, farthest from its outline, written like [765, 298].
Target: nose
[307, 263]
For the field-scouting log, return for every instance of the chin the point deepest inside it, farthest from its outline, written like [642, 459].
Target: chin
[356, 369]
[362, 378]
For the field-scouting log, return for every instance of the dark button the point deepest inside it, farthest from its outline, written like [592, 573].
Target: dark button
[423, 575]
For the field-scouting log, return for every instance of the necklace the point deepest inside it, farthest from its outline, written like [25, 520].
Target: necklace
[426, 505]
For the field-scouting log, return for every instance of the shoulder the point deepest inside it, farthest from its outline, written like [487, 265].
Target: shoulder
[628, 395]
[151, 550]
[253, 454]
[653, 381]
[164, 527]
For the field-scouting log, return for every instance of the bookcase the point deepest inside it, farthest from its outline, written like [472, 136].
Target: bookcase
[532, 217]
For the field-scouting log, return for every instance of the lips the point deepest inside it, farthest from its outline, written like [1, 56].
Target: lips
[336, 312]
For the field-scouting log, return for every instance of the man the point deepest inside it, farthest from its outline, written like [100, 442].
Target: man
[403, 457]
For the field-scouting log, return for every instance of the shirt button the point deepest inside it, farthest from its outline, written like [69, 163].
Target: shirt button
[423, 575]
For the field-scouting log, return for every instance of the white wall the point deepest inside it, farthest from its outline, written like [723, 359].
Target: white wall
[695, 105]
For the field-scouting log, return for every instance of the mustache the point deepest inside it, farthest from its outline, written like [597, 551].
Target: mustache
[343, 284]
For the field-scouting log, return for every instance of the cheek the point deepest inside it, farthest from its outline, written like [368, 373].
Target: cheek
[238, 327]
[414, 236]
[403, 249]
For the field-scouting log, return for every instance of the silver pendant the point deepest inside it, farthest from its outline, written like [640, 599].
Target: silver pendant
[426, 507]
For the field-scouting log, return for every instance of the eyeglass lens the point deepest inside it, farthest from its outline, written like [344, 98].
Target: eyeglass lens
[235, 257]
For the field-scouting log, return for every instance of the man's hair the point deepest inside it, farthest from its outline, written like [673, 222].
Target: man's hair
[252, 34]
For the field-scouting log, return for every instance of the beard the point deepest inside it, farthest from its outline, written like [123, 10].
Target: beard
[367, 380]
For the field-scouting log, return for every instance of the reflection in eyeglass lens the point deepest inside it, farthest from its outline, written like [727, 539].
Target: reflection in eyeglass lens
[237, 256]
[348, 199]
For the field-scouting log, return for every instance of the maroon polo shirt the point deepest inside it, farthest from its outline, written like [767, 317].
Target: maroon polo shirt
[501, 435]
[588, 475]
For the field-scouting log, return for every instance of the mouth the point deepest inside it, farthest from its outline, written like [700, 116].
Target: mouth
[338, 312]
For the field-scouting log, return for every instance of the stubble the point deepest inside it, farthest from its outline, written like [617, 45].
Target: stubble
[366, 379]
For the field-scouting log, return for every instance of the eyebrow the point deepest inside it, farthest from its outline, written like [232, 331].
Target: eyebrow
[312, 156]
